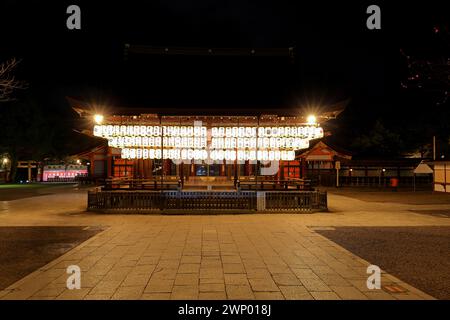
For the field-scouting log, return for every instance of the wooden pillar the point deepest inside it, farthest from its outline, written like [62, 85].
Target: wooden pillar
[140, 168]
[281, 170]
[247, 168]
[223, 169]
[302, 168]
[167, 167]
[186, 171]
[192, 170]
[146, 168]
[29, 170]
[92, 163]
[278, 176]
[150, 168]
[181, 173]
[229, 171]
[135, 169]
[108, 163]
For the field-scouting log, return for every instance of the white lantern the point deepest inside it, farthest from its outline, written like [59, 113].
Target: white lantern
[241, 132]
[97, 130]
[228, 132]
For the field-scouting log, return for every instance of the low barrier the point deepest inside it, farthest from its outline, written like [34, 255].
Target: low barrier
[296, 201]
[207, 201]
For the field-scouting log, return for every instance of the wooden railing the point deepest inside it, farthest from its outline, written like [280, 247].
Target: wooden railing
[425, 181]
[291, 184]
[208, 201]
[141, 184]
[173, 183]
[124, 200]
[296, 201]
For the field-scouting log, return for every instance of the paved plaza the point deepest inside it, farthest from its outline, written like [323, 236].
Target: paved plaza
[254, 256]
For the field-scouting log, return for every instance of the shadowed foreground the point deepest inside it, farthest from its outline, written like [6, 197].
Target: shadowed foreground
[419, 256]
[25, 249]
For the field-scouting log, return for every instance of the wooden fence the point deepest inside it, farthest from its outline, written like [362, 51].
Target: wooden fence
[298, 184]
[296, 201]
[207, 201]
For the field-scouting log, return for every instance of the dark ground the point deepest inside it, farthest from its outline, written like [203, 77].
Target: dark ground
[25, 249]
[9, 192]
[420, 256]
[403, 196]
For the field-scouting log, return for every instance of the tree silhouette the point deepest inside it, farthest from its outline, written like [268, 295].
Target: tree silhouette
[8, 82]
[379, 142]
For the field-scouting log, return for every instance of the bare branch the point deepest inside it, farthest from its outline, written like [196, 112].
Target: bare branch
[8, 82]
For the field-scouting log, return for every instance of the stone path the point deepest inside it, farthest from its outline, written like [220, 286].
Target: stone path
[277, 256]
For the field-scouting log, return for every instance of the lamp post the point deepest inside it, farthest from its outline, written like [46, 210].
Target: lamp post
[382, 171]
[5, 162]
[434, 148]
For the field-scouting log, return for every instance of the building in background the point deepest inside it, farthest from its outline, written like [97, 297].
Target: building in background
[63, 173]
[442, 176]
[323, 160]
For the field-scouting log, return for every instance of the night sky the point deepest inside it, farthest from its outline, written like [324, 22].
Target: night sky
[336, 57]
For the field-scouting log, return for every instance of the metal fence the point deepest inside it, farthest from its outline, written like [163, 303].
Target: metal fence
[208, 201]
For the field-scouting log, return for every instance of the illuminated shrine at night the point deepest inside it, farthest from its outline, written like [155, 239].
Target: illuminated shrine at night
[197, 149]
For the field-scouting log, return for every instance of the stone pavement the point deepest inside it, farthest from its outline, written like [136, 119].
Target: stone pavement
[257, 256]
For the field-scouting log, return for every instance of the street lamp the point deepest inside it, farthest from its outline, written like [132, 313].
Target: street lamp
[311, 119]
[98, 118]
[383, 170]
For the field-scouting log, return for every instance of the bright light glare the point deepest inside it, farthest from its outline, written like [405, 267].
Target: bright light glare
[5, 160]
[98, 118]
[311, 119]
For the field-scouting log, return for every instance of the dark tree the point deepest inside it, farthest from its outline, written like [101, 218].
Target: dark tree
[27, 132]
[8, 81]
[380, 141]
[426, 81]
